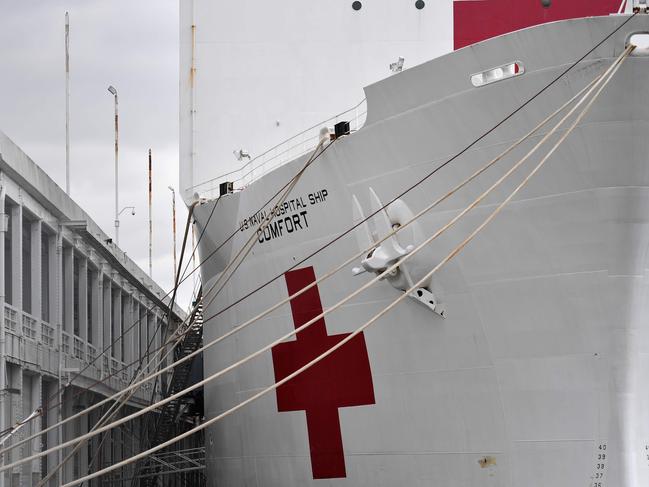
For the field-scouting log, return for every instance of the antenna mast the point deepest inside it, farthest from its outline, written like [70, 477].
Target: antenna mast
[67, 103]
[150, 220]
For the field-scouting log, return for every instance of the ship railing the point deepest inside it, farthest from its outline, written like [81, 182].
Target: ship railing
[286, 151]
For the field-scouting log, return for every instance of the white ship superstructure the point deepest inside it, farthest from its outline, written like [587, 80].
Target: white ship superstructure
[535, 373]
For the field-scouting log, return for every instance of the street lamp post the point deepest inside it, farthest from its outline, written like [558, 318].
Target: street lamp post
[113, 91]
[173, 213]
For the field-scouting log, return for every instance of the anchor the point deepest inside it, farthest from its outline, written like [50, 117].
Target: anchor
[381, 256]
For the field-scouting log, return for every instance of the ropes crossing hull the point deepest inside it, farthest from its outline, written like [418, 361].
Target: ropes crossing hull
[536, 374]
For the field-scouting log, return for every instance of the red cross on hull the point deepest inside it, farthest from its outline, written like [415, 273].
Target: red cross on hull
[343, 379]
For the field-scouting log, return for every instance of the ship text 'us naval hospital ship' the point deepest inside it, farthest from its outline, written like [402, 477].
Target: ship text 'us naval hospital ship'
[464, 244]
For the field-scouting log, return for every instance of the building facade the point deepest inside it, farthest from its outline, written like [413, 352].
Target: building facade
[68, 293]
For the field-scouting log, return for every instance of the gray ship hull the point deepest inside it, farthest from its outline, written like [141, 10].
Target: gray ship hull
[538, 375]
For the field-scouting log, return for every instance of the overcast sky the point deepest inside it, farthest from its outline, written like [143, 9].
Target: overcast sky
[132, 45]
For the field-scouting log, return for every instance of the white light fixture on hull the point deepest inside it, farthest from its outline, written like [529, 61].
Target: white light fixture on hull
[397, 66]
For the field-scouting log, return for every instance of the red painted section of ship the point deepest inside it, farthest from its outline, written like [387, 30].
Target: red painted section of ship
[343, 379]
[477, 20]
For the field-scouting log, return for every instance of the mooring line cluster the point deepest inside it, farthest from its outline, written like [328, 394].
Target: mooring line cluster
[417, 183]
[599, 86]
[291, 184]
[600, 83]
[172, 341]
[321, 279]
[124, 395]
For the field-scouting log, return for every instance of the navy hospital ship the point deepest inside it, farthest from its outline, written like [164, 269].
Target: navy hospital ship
[522, 361]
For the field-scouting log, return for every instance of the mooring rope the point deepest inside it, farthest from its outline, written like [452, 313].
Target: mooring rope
[373, 320]
[329, 274]
[608, 75]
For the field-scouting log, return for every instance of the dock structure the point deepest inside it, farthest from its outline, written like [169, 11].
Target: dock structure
[68, 293]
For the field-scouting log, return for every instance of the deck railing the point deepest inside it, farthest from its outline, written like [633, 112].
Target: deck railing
[47, 335]
[65, 346]
[30, 326]
[92, 352]
[79, 348]
[23, 328]
[284, 152]
[114, 366]
[11, 318]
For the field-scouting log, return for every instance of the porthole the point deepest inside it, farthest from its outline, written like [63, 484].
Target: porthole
[357, 5]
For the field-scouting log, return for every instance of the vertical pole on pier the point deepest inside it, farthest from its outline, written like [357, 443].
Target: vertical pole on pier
[59, 319]
[150, 220]
[173, 211]
[116, 172]
[173, 226]
[113, 91]
[4, 222]
[67, 103]
[192, 103]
